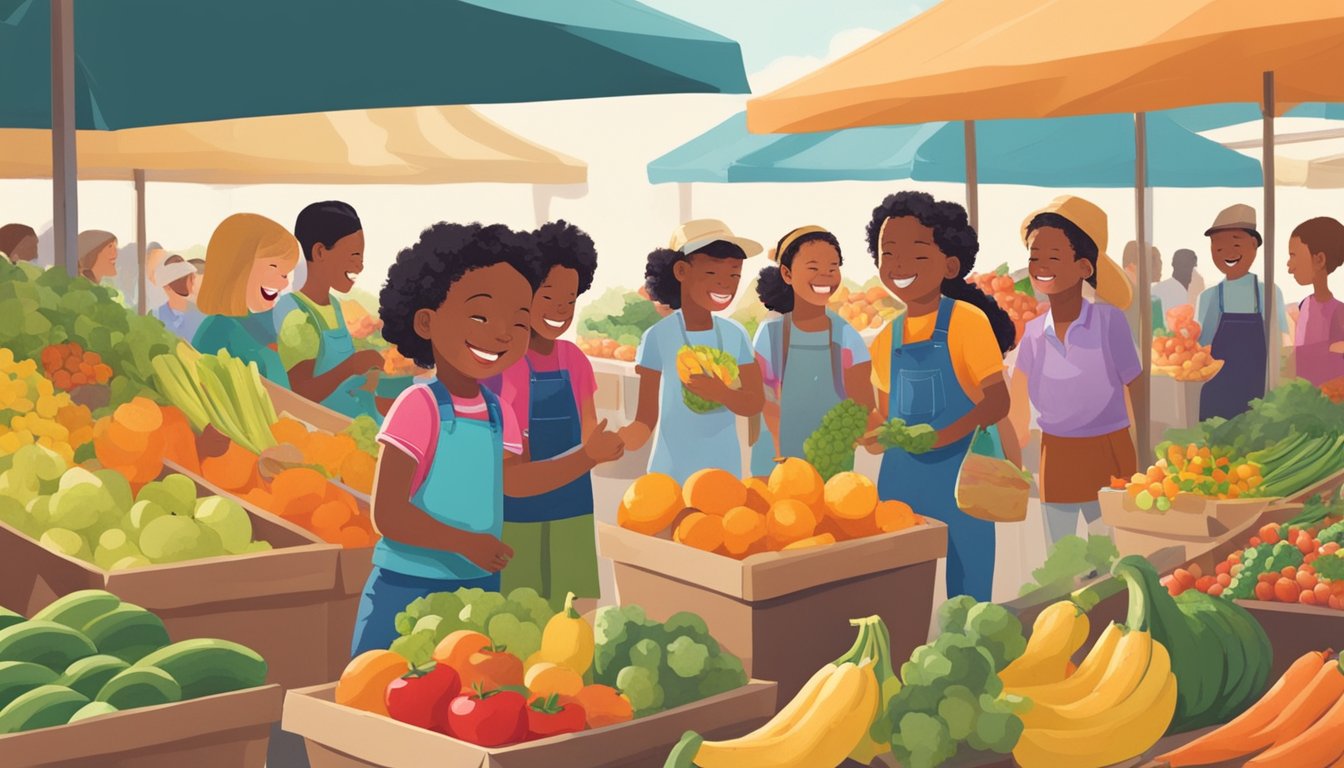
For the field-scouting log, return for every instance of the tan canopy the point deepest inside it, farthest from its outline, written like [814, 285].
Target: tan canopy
[421, 145]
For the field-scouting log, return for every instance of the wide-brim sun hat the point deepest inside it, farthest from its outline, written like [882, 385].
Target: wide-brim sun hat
[1113, 285]
[698, 233]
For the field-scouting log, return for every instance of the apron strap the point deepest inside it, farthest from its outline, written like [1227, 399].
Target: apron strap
[837, 362]
[1220, 298]
[945, 307]
[784, 346]
[1255, 289]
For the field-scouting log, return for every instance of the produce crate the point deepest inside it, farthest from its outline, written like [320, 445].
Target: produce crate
[275, 602]
[352, 572]
[786, 613]
[1194, 523]
[229, 730]
[305, 410]
[341, 737]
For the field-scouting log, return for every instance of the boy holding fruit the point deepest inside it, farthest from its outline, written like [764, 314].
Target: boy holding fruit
[459, 301]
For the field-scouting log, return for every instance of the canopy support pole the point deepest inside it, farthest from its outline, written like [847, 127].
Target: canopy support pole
[1143, 402]
[683, 202]
[140, 242]
[1271, 311]
[64, 176]
[541, 204]
[972, 173]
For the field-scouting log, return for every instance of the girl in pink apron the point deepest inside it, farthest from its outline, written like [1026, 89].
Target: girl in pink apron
[1315, 250]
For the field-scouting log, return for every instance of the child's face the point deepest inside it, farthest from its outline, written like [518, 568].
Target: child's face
[911, 266]
[815, 273]
[105, 263]
[342, 262]
[553, 304]
[1053, 264]
[1233, 252]
[484, 323]
[1302, 265]
[266, 281]
[708, 282]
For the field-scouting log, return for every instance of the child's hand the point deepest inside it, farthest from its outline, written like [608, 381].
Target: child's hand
[367, 360]
[603, 446]
[634, 435]
[488, 552]
[708, 387]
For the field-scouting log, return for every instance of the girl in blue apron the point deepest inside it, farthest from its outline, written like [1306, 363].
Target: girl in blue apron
[697, 275]
[938, 363]
[551, 391]
[813, 359]
[314, 341]
[458, 301]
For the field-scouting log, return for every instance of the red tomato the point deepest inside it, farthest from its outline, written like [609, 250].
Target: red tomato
[488, 718]
[1183, 578]
[1204, 582]
[1306, 579]
[1269, 534]
[491, 669]
[1322, 593]
[1264, 591]
[1225, 579]
[1223, 567]
[421, 698]
[1216, 590]
[1307, 597]
[1286, 590]
[551, 718]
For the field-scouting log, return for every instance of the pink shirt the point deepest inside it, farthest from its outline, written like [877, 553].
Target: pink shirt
[513, 386]
[412, 425]
[1319, 325]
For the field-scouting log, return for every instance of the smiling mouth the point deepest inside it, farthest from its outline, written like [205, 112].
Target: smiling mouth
[555, 323]
[824, 290]
[1232, 262]
[351, 276]
[720, 298]
[268, 294]
[904, 282]
[1044, 278]
[482, 355]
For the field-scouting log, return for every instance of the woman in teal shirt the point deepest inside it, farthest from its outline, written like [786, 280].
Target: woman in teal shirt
[247, 266]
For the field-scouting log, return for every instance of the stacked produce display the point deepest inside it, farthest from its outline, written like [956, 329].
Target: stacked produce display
[33, 412]
[611, 325]
[367, 331]
[1176, 349]
[495, 670]
[867, 307]
[1017, 298]
[89, 654]
[791, 510]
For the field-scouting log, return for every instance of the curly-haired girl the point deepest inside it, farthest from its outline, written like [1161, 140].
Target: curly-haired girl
[811, 359]
[697, 275]
[458, 301]
[939, 363]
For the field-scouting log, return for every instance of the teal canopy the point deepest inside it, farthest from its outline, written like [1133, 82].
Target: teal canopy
[157, 62]
[1089, 151]
[1094, 151]
[1210, 116]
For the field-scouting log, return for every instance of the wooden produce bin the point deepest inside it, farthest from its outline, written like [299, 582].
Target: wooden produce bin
[352, 572]
[786, 613]
[1193, 525]
[230, 730]
[274, 602]
[342, 737]
[305, 410]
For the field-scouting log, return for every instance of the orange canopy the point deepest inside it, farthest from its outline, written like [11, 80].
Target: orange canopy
[978, 60]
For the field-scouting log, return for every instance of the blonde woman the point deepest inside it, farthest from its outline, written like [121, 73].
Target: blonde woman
[248, 263]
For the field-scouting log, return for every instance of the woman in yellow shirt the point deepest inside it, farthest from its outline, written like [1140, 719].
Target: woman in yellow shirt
[939, 363]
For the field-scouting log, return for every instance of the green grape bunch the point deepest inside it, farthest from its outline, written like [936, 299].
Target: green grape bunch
[914, 439]
[831, 447]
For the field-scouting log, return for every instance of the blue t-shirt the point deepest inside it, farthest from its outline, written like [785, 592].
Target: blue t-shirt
[184, 324]
[687, 441]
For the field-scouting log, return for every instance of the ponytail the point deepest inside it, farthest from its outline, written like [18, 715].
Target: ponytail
[775, 294]
[1005, 332]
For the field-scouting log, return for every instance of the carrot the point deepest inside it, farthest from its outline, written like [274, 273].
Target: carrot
[1326, 688]
[1316, 747]
[1233, 739]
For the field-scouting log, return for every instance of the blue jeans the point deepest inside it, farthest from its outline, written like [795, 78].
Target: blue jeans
[387, 593]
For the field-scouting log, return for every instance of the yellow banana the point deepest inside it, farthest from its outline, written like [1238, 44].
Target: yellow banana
[842, 692]
[1055, 637]
[1129, 664]
[788, 717]
[1080, 683]
[1120, 733]
[840, 738]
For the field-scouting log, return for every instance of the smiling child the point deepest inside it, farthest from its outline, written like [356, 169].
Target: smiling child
[458, 301]
[1315, 250]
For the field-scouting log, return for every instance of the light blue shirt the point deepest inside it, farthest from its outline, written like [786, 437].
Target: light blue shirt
[1238, 296]
[183, 324]
[687, 441]
[854, 350]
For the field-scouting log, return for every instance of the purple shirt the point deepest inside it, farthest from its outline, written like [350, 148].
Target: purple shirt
[1319, 324]
[1078, 386]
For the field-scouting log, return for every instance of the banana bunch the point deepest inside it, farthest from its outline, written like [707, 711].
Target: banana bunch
[826, 722]
[1117, 705]
[1057, 634]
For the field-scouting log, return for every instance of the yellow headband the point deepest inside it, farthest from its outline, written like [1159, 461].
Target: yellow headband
[789, 239]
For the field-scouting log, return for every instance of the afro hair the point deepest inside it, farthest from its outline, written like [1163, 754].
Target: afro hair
[561, 244]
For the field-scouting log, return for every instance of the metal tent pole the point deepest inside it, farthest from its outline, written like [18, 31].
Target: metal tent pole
[683, 202]
[64, 175]
[1271, 311]
[1143, 295]
[140, 242]
[972, 174]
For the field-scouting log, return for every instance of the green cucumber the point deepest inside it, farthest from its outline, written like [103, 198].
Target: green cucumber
[52, 645]
[89, 675]
[141, 687]
[128, 633]
[9, 618]
[42, 707]
[20, 677]
[77, 609]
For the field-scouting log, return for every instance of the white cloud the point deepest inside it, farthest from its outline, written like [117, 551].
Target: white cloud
[786, 69]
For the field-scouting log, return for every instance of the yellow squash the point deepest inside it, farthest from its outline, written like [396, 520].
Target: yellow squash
[567, 640]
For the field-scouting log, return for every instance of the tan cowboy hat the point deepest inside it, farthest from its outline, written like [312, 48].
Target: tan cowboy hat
[1236, 217]
[1113, 286]
[697, 233]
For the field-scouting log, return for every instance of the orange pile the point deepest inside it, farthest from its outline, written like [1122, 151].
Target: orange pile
[1180, 355]
[70, 366]
[597, 346]
[865, 308]
[139, 435]
[337, 455]
[792, 509]
[1022, 308]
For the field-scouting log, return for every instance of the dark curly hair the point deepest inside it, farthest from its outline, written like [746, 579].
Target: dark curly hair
[424, 272]
[954, 236]
[663, 286]
[326, 223]
[1083, 245]
[775, 294]
[561, 244]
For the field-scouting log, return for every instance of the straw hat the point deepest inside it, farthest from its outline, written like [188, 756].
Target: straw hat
[1236, 217]
[1113, 286]
[696, 234]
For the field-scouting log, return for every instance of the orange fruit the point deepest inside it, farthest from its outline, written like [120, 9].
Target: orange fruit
[759, 496]
[796, 479]
[331, 515]
[353, 537]
[700, 530]
[820, 540]
[713, 491]
[858, 529]
[290, 431]
[299, 481]
[298, 507]
[650, 504]
[789, 520]
[894, 516]
[357, 471]
[743, 527]
[850, 496]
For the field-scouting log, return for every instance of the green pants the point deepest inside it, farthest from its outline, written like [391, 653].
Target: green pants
[554, 558]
